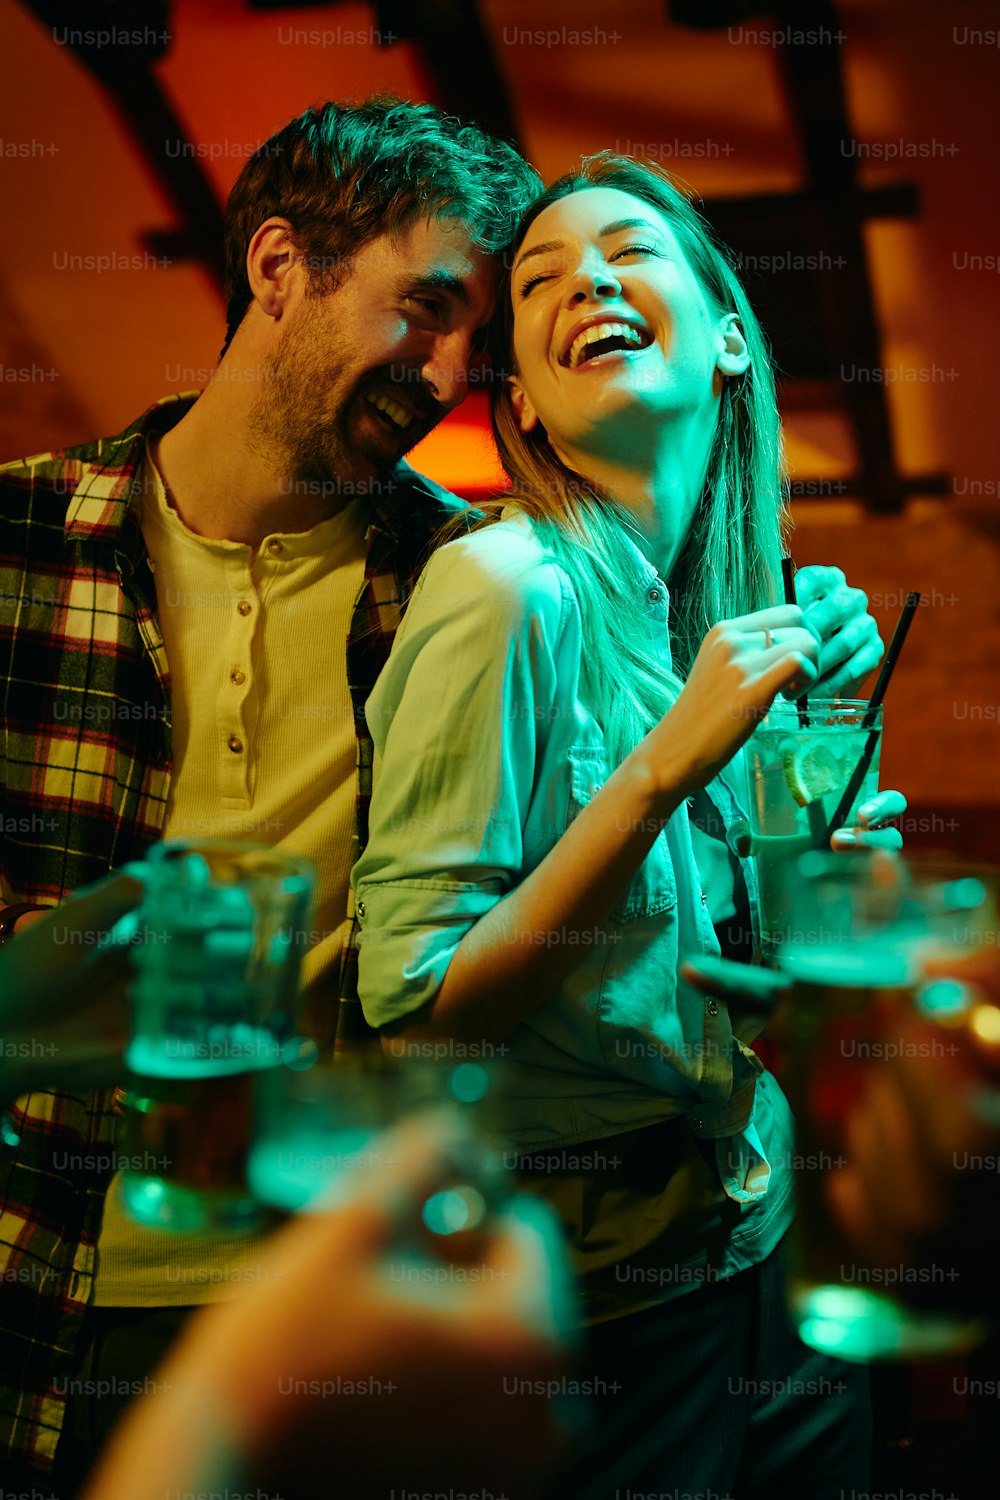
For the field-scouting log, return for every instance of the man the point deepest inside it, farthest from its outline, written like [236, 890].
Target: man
[174, 606]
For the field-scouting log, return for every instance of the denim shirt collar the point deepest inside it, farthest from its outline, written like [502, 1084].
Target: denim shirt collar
[648, 581]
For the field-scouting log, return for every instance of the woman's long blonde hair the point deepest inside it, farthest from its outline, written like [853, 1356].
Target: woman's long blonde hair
[729, 564]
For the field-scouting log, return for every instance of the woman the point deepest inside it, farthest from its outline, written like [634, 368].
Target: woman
[554, 736]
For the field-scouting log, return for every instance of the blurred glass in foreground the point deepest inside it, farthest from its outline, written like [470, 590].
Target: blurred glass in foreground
[320, 1130]
[217, 945]
[861, 929]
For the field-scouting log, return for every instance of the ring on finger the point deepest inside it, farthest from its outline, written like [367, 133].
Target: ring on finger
[768, 640]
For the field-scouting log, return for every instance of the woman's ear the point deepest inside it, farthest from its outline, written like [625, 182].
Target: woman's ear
[525, 414]
[734, 356]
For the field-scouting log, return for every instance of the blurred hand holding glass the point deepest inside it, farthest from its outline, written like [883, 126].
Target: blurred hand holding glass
[229, 1114]
[320, 1130]
[862, 927]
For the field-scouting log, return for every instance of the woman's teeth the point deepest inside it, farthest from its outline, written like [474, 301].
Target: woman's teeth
[627, 337]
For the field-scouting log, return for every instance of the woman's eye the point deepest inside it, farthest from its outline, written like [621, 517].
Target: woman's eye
[533, 281]
[634, 250]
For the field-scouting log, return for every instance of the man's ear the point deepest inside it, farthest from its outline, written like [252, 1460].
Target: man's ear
[734, 356]
[273, 261]
[525, 414]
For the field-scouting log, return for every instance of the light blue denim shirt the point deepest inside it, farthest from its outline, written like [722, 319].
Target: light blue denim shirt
[485, 750]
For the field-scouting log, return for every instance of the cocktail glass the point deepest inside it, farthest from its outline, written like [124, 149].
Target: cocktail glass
[797, 773]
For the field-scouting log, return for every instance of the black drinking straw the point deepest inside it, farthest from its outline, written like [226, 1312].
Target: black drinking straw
[788, 580]
[860, 770]
[814, 810]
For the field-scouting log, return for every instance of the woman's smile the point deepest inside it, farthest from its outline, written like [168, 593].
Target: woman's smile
[602, 336]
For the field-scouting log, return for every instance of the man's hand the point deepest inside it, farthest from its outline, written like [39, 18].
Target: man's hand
[850, 645]
[64, 1007]
[353, 1357]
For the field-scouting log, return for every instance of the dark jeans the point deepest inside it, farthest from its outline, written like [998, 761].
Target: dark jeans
[712, 1395]
[121, 1348]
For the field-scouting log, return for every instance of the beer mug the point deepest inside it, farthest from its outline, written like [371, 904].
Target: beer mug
[218, 942]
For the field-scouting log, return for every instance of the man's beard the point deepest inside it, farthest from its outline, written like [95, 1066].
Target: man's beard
[299, 420]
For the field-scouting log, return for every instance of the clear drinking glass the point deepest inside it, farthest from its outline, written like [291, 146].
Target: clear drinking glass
[862, 926]
[320, 1129]
[797, 773]
[218, 941]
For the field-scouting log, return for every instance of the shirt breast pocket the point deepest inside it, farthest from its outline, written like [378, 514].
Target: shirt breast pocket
[653, 888]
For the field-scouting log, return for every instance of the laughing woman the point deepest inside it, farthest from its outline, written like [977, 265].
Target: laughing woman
[555, 738]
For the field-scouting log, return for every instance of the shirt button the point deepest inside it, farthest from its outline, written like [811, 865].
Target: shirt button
[237, 677]
[361, 909]
[696, 1123]
[244, 607]
[235, 744]
[274, 546]
[711, 1007]
[654, 595]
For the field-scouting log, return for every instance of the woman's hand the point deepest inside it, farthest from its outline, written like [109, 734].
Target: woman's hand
[740, 668]
[871, 830]
[850, 644]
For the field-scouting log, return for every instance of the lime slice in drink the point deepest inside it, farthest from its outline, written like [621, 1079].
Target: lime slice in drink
[812, 769]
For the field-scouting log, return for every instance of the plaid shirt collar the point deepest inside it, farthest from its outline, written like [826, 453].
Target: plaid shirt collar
[101, 508]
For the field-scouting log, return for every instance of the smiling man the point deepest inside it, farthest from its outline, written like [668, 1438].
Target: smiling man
[175, 604]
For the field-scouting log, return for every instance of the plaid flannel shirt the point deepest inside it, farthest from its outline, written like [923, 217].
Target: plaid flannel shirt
[85, 763]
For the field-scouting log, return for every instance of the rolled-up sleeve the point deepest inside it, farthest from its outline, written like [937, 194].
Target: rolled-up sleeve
[459, 717]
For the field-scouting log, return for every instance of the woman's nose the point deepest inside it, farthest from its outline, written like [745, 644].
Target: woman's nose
[592, 278]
